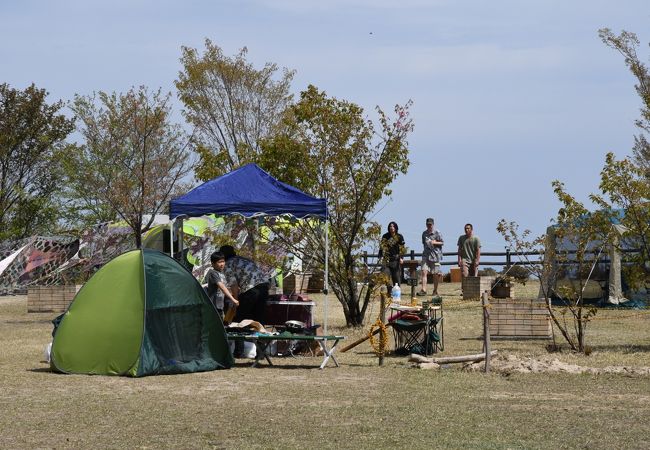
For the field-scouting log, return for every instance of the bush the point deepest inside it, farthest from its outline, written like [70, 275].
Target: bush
[519, 273]
[488, 272]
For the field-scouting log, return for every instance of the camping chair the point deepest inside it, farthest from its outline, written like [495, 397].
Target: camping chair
[437, 324]
[435, 340]
[416, 336]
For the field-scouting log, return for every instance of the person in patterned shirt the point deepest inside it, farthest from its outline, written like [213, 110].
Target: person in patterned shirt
[391, 249]
[251, 283]
[431, 256]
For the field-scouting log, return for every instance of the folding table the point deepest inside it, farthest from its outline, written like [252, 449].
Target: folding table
[262, 341]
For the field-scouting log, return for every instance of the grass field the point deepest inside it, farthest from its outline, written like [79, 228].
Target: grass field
[358, 405]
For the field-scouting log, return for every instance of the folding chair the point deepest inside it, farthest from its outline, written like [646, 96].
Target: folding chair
[409, 335]
[437, 323]
[435, 341]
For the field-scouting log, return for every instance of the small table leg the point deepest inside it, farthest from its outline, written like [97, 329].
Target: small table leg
[413, 275]
[329, 353]
[260, 352]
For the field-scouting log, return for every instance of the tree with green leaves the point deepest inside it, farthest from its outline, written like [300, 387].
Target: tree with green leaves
[625, 183]
[330, 149]
[232, 106]
[32, 142]
[624, 195]
[622, 220]
[131, 160]
[627, 43]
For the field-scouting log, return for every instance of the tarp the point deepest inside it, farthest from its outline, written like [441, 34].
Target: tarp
[605, 282]
[36, 261]
[248, 191]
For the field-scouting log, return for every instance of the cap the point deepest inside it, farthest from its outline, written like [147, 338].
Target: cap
[429, 221]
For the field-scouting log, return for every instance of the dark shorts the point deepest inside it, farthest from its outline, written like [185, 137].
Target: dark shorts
[252, 304]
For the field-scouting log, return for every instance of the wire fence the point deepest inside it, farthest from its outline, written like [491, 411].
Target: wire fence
[618, 314]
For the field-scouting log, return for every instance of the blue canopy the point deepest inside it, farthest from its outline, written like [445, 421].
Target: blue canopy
[248, 191]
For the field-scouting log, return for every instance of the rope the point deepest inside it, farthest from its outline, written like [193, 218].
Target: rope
[378, 343]
[556, 310]
[640, 314]
[463, 305]
[593, 266]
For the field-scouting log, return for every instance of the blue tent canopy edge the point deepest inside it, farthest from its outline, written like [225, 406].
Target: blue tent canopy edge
[248, 191]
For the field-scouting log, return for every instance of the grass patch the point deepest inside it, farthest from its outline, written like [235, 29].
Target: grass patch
[358, 405]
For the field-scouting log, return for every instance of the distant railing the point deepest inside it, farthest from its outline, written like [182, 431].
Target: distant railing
[370, 259]
[507, 256]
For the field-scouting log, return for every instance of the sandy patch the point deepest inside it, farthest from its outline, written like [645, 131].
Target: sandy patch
[521, 364]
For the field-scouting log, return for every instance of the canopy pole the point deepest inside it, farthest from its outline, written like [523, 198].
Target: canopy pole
[180, 217]
[326, 280]
[181, 236]
[171, 237]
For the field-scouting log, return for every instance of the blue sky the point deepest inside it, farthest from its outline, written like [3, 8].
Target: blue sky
[508, 95]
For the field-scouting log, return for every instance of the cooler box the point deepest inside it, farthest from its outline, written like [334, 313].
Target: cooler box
[279, 311]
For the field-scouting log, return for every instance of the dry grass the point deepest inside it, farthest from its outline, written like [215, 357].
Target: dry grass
[358, 405]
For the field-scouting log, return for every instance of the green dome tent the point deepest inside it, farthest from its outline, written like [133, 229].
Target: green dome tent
[141, 314]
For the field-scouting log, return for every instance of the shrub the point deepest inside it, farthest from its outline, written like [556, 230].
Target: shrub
[519, 273]
[487, 272]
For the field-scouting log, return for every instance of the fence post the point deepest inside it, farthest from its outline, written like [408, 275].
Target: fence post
[411, 272]
[365, 258]
[508, 262]
[486, 330]
[382, 328]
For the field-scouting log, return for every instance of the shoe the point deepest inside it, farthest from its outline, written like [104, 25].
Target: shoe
[421, 293]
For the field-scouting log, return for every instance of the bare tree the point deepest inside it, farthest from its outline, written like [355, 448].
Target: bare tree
[571, 252]
[232, 106]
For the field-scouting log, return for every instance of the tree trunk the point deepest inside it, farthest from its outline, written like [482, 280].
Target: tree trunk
[581, 330]
[354, 318]
[138, 239]
[559, 326]
[355, 314]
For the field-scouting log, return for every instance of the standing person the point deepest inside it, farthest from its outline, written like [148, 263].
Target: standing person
[391, 251]
[251, 282]
[469, 252]
[216, 280]
[431, 256]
